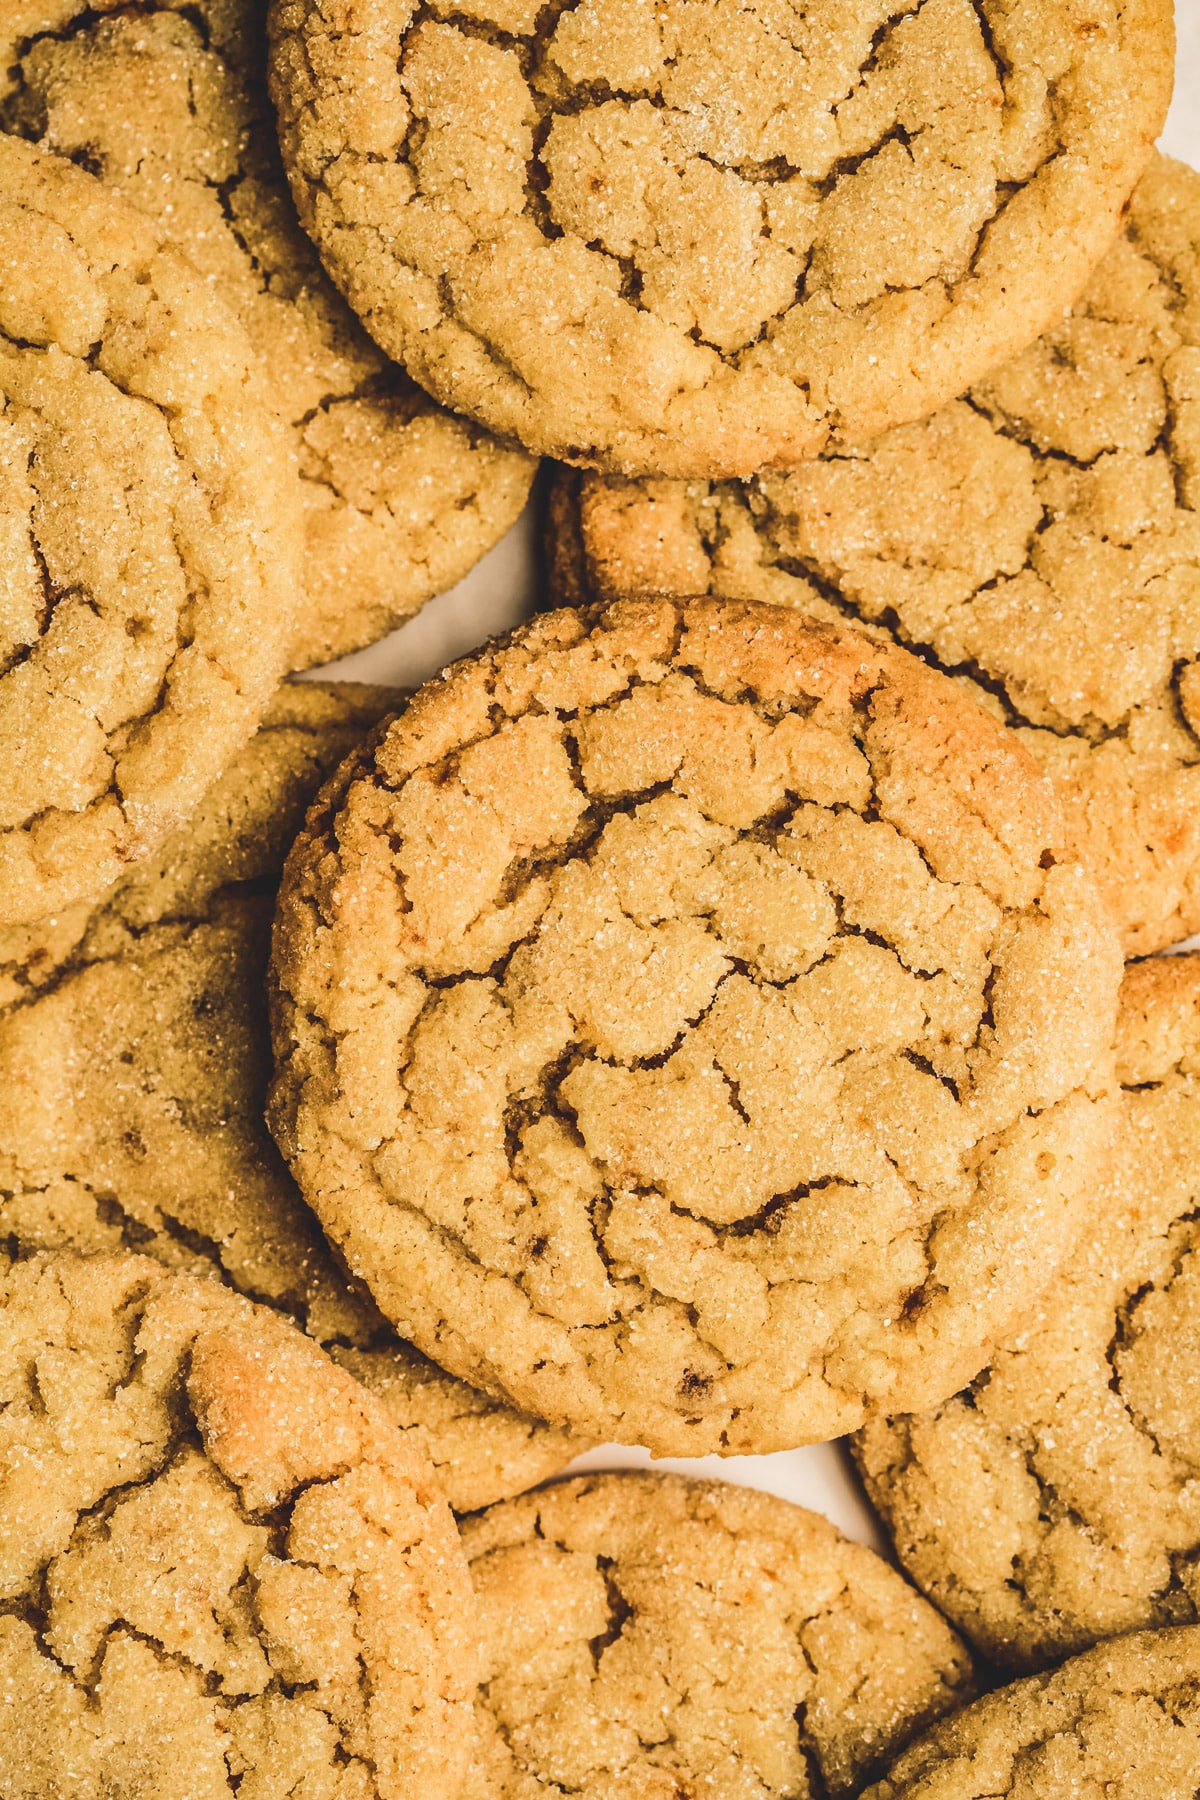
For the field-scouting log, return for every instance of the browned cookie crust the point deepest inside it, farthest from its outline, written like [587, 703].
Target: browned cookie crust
[690, 1026]
[134, 1063]
[1038, 537]
[646, 1637]
[1057, 1500]
[166, 102]
[703, 239]
[221, 1570]
[147, 524]
[1121, 1723]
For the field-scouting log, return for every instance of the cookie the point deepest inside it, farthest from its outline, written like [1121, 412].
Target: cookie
[689, 1025]
[694, 241]
[1122, 1722]
[147, 518]
[222, 1569]
[167, 104]
[1054, 1501]
[644, 1635]
[134, 1061]
[1038, 538]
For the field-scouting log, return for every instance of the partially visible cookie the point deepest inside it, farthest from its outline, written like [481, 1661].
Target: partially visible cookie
[648, 1636]
[221, 1569]
[1038, 537]
[699, 240]
[166, 103]
[148, 519]
[134, 1062]
[1121, 1723]
[1056, 1500]
[690, 1025]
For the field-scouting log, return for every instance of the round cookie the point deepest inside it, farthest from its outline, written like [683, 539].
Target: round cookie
[1057, 1500]
[222, 1570]
[1121, 1723]
[1038, 537]
[646, 1636]
[147, 519]
[134, 1061]
[690, 1026]
[699, 240]
[167, 104]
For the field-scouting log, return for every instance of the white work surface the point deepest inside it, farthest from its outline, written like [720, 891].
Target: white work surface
[501, 591]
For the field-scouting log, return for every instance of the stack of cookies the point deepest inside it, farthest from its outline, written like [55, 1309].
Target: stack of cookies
[723, 1016]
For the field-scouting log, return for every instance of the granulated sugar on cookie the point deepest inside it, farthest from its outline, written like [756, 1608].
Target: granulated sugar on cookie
[148, 525]
[222, 1570]
[1122, 1722]
[698, 238]
[1057, 1499]
[690, 1024]
[648, 1636]
[166, 103]
[1038, 537]
[134, 1063]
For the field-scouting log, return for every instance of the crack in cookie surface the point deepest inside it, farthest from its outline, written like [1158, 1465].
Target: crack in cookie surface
[697, 238]
[1037, 537]
[685, 1134]
[1054, 1502]
[220, 1568]
[166, 103]
[644, 1634]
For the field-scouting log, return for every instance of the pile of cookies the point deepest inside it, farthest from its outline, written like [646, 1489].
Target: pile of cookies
[722, 1016]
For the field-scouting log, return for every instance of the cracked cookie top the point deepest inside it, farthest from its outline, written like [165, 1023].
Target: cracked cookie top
[1056, 1500]
[689, 1024]
[643, 1635]
[221, 1569]
[1120, 1723]
[688, 237]
[147, 519]
[134, 1062]
[167, 104]
[1039, 537]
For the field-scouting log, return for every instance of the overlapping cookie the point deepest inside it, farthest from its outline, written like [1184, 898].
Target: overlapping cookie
[691, 1025]
[649, 1636]
[1039, 537]
[696, 239]
[1122, 1722]
[133, 1070]
[147, 529]
[222, 1570]
[1056, 1500]
[166, 103]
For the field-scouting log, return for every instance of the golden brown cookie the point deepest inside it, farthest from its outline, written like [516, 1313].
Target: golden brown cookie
[221, 1569]
[1038, 537]
[689, 1024]
[147, 520]
[698, 239]
[1057, 1499]
[646, 1637]
[134, 1062]
[1121, 1723]
[166, 102]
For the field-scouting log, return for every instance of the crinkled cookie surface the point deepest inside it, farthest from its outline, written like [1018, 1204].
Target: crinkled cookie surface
[696, 238]
[166, 103]
[1121, 1723]
[1039, 536]
[645, 1636]
[1056, 1500]
[221, 1569]
[148, 521]
[134, 1063]
[690, 1027]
